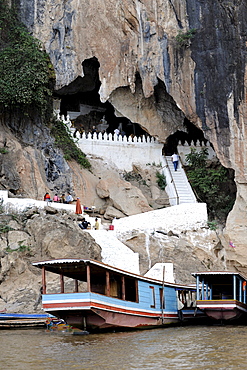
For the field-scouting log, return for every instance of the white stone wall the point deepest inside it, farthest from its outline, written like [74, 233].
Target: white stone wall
[21, 204]
[186, 216]
[122, 151]
[185, 149]
[156, 272]
[114, 252]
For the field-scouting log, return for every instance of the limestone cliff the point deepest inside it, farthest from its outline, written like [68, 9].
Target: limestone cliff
[38, 235]
[34, 236]
[154, 78]
[202, 79]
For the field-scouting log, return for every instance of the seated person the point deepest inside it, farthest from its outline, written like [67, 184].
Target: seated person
[69, 199]
[47, 197]
[84, 224]
[56, 198]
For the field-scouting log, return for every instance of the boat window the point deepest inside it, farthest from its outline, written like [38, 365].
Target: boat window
[187, 298]
[98, 283]
[152, 297]
[162, 298]
[131, 289]
[82, 286]
[115, 286]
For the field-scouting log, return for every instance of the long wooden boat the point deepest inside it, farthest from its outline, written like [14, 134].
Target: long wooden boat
[221, 294]
[22, 320]
[95, 296]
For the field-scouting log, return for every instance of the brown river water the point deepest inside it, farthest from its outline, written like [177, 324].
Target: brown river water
[193, 347]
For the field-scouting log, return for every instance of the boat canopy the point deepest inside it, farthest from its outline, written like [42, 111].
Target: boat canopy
[219, 276]
[218, 285]
[77, 269]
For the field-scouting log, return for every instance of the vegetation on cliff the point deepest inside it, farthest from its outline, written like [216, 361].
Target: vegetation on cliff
[26, 78]
[211, 185]
[25, 69]
[65, 142]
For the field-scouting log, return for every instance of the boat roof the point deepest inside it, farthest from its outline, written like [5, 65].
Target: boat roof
[220, 274]
[72, 267]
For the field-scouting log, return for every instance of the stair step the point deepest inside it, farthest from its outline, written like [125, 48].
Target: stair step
[183, 187]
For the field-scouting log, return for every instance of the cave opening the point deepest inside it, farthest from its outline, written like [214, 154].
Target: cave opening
[81, 101]
[191, 134]
[220, 178]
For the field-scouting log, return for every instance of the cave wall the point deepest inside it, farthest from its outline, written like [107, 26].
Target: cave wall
[31, 164]
[203, 80]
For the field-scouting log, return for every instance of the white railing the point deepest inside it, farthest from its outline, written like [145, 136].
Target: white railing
[122, 151]
[184, 149]
[113, 137]
[104, 136]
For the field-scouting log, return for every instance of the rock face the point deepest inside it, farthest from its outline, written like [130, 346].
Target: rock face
[42, 235]
[153, 77]
[150, 76]
[36, 236]
[172, 247]
[32, 165]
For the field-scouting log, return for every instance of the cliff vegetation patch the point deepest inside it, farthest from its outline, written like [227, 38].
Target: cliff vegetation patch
[25, 69]
[161, 180]
[65, 142]
[184, 38]
[210, 184]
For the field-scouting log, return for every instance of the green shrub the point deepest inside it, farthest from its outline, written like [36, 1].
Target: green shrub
[26, 73]
[21, 248]
[211, 185]
[5, 228]
[4, 150]
[212, 225]
[161, 180]
[183, 38]
[65, 142]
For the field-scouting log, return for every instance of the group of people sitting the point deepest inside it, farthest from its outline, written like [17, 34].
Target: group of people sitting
[63, 199]
[87, 225]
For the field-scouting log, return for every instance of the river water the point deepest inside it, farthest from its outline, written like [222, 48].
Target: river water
[193, 348]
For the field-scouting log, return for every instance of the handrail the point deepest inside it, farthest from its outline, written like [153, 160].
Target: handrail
[193, 190]
[177, 197]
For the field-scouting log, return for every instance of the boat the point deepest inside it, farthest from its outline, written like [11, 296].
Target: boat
[22, 320]
[221, 295]
[94, 296]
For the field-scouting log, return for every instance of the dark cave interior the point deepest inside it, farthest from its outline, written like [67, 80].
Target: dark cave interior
[82, 97]
[192, 134]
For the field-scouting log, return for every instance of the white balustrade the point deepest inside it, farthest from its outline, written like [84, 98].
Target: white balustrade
[185, 149]
[104, 136]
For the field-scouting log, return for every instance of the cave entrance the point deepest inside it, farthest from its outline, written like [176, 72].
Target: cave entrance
[192, 134]
[81, 101]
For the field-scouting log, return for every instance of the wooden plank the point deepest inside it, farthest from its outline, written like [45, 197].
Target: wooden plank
[43, 280]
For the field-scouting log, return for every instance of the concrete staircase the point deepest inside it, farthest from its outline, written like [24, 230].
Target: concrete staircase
[114, 252]
[182, 188]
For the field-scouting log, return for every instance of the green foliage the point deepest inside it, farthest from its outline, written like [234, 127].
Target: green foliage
[197, 159]
[210, 184]
[212, 225]
[161, 180]
[25, 70]
[183, 38]
[1, 206]
[3, 150]
[21, 248]
[65, 142]
[5, 228]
